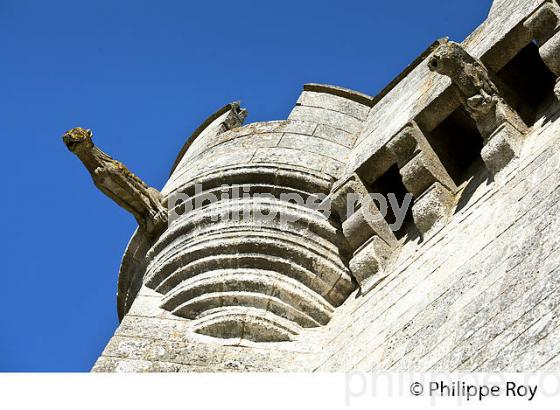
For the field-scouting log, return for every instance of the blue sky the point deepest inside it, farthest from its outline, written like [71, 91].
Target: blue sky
[143, 75]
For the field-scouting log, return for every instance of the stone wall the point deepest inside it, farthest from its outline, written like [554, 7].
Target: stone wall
[480, 294]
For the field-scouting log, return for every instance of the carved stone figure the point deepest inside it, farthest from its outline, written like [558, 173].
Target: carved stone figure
[470, 77]
[478, 93]
[118, 183]
[498, 123]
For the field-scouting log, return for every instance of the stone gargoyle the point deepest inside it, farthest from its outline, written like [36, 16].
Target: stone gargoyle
[475, 88]
[115, 180]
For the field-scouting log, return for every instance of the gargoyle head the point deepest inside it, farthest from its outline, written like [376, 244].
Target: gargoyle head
[78, 139]
[448, 59]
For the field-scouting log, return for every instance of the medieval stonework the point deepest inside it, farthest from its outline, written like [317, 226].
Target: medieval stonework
[468, 134]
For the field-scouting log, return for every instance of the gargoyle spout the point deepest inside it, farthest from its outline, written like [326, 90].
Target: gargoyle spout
[115, 180]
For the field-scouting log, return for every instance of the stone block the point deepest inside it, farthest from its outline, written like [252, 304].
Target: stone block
[369, 263]
[550, 53]
[503, 146]
[407, 143]
[422, 171]
[288, 156]
[342, 189]
[333, 102]
[323, 116]
[335, 135]
[314, 145]
[365, 223]
[433, 207]
[544, 22]
[419, 165]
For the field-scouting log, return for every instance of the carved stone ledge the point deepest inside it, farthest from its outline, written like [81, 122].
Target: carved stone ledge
[432, 209]
[482, 100]
[502, 146]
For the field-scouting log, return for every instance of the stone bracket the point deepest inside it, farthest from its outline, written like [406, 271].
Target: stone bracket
[421, 171]
[544, 26]
[360, 216]
[503, 146]
[367, 232]
[432, 209]
[544, 23]
[369, 263]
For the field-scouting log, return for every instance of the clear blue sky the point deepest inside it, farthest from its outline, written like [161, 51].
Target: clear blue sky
[143, 75]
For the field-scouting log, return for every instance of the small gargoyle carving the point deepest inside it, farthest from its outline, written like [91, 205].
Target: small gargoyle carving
[478, 93]
[118, 183]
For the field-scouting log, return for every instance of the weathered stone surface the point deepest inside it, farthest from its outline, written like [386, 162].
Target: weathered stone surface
[550, 52]
[479, 292]
[118, 183]
[433, 207]
[503, 146]
[315, 145]
[334, 103]
[366, 222]
[342, 193]
[498, 123]
[334, 119]
[370, 262]
[335, 135]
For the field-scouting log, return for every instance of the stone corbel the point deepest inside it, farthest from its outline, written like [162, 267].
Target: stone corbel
[544, 25]
[424, 176]
[500, 125]
[363, 225]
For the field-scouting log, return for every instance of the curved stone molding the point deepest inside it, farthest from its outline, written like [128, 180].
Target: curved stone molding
[246, 323]
[347, 93]
[266, 286]
[240, 276]
[131, 272]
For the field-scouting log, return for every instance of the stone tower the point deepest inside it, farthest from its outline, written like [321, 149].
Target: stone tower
[467, 137]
